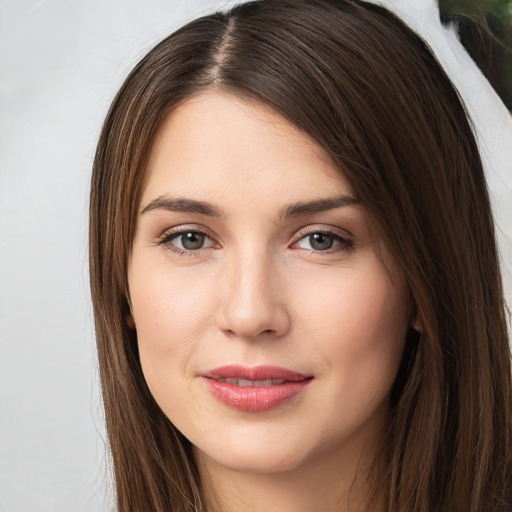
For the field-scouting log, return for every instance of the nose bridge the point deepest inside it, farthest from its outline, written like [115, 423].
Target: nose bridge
[252, 285]
[252, 303]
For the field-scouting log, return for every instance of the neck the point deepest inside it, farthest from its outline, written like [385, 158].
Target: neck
[323, 484]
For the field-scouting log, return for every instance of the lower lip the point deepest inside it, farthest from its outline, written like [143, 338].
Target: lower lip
[255, 399]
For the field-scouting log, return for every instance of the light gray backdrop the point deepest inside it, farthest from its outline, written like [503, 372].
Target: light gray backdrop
[61, 62]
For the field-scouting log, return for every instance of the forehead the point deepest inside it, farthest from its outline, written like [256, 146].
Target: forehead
[221, 145]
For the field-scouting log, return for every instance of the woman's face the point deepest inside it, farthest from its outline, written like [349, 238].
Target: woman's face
[270, 330]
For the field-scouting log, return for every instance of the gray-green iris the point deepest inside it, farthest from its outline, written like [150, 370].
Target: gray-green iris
[320, 242]
[192, 241]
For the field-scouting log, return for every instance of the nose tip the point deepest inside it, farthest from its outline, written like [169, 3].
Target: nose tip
[249, 322]
[253, 305]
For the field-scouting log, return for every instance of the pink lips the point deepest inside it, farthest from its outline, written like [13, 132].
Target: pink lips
[255, 389]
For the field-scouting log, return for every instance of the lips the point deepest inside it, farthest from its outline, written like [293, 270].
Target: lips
[256, 389]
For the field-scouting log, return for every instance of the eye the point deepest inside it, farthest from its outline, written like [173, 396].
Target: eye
[321, 241]
[186, 241]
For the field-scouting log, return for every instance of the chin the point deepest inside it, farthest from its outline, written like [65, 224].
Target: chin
[251, 457]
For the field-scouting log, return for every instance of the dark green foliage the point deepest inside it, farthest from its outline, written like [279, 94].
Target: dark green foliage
[485, 29]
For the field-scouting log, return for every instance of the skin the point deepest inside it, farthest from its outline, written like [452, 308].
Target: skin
[260, 291]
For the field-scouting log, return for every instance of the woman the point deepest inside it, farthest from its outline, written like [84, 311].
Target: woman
[297, 298]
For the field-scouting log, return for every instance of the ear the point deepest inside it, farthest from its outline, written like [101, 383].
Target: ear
[415, 321]
[417, 326]
[130, 321]
[129, 318]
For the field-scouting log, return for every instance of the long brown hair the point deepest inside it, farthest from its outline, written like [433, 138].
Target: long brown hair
[368, 90]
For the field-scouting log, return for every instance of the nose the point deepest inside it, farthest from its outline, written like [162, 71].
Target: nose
[252, 301]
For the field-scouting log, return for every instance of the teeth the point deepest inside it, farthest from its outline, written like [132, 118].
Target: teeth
[251, 383]
[246, 383]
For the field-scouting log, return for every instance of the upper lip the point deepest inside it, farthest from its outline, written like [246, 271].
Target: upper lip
[256, 373]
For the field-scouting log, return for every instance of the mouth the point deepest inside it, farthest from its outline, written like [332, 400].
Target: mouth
[257, 374]
[252, 383]
[255, 389]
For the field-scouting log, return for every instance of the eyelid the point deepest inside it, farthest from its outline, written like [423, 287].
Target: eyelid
[322, 228]
[175, 231]
[339, 234]
[186, 228]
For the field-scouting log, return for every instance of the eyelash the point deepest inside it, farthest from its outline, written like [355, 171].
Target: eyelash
[166, 240]
[345, 244]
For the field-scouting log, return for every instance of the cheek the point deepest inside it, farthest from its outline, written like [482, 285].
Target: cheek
[171, 311]
[169, 306]
[359, 321]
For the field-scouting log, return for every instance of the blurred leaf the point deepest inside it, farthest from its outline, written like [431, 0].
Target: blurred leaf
[485, 29]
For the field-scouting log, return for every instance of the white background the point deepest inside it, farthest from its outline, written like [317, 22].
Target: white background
[61, 63]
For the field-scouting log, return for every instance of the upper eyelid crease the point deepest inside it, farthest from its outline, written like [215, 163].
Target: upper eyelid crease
[306, 231]
[292, 210]
[342, 239]
[330, 230]
[177, 231]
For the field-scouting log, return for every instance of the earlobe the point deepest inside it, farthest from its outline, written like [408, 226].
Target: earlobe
[130, 321]
[415, 321]
[417, 325]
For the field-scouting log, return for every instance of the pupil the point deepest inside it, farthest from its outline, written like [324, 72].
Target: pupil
[320, 242]
[192, 241]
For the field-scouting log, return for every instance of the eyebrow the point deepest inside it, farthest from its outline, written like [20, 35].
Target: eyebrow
[320, 205]
[298, 209]
[181, 204]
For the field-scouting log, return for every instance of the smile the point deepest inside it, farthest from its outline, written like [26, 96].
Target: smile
[256, 389]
